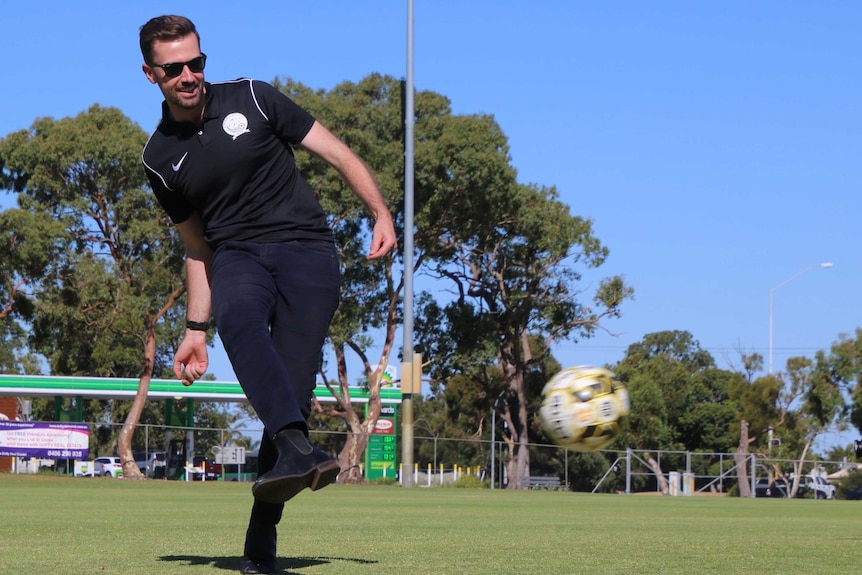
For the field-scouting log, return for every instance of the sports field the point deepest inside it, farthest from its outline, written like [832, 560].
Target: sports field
[68, 526]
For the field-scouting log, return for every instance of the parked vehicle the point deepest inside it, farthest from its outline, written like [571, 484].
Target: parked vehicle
[780, 487]
[109, 467]
[212, 471]
[151, 464]
[821, 488]
[766, 487]
[854, 494]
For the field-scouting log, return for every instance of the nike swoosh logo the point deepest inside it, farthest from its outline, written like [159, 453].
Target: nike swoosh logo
[176, 166]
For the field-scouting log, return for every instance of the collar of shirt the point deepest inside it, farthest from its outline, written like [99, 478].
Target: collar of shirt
[211, 109]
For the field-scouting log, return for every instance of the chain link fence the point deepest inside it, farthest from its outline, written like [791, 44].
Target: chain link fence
[441, 461]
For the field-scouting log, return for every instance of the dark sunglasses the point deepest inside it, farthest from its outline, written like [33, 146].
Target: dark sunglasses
[174, 69]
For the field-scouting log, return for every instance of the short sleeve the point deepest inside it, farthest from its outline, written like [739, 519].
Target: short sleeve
[290, 122]
[174, 204]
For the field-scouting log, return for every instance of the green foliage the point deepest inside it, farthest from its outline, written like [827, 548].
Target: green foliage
[334, 423]
[114, 260]
[845, 363]
[391, 481]
[798, 404]
[851, 481]
[470, 482]
[87, 258]
[28, 248]
[680, 400]
[585, 470]
[211, 417]
[679, 347]
[758, 402]
[508, 250]
[367, 117]
[459, 414]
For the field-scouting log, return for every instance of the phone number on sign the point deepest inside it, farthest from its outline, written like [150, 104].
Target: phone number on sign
[65, 453]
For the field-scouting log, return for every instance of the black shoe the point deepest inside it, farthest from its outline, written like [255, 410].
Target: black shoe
[251, 567]
[299, 465]
[259, 549]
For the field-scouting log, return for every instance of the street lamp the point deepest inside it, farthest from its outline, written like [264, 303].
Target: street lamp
[772, 291]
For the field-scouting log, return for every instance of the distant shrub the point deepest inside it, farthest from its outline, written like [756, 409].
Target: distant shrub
[852, 481]
[470, 482]
[384, 481]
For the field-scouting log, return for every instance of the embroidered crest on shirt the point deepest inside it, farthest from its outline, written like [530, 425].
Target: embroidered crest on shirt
[235, 125]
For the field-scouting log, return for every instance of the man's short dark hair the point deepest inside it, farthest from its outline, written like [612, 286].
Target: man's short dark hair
[164, 29]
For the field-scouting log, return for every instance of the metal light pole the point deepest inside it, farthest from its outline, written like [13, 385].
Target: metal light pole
[408, 367]
[772, 291]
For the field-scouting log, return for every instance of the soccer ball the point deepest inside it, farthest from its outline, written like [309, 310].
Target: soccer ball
[582, 407]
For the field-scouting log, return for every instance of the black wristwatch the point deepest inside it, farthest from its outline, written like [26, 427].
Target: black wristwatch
[197, 325]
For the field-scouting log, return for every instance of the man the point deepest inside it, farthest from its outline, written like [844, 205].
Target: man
[259, 252]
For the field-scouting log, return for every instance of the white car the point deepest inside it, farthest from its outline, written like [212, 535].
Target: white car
[821, 488]
[109, 467]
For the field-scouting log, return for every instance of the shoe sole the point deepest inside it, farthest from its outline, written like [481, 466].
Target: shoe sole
[249, 567]
[326, 473]
[281, 489]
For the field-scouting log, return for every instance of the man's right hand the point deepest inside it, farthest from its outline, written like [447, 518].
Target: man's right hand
[191, 360]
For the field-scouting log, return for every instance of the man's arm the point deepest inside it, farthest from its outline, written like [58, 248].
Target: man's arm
[191, 359]
[325, 145]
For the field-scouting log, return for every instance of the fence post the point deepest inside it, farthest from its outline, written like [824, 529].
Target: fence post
[566, 459]
[628, 470]
[751, 464]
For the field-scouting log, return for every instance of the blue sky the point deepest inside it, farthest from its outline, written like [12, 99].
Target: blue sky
[716, 145]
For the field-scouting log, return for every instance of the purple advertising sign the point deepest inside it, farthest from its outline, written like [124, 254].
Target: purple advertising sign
[44, 439]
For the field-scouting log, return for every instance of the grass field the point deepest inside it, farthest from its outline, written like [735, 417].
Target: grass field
[68, 526]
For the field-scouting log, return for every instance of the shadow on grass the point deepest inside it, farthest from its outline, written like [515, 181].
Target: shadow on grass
[285, 564]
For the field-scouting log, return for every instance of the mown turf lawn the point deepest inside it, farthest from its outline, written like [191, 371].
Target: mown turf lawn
[75, 526]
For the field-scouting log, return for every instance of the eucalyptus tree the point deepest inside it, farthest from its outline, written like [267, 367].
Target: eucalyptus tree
[28, 249]
[680, 399]
[512, 256]
[509, 251]
[367, 116]
[845, 361]
[118, 266]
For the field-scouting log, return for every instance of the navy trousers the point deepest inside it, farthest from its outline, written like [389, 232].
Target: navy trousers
[273, 304]
[264, 512]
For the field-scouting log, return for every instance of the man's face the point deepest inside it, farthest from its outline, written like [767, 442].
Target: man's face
[183, 93]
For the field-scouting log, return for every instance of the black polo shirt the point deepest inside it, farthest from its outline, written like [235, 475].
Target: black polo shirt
[236, 169]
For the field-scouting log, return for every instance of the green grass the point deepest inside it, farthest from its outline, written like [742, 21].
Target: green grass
[67, 526]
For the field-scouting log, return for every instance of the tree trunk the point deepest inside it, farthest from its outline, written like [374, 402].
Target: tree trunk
[513, 355]
[521, 457]
[351, 456]
[517, 419]
[659, 474]
[130, 468]
[799, 465]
